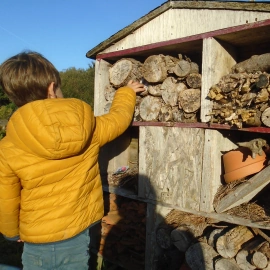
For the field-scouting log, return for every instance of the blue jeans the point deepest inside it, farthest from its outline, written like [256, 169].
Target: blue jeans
[70, 254]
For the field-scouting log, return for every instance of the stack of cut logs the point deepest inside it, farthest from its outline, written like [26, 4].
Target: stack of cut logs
[123, 232]
[208, 244]
[242, 97]
[172, 87]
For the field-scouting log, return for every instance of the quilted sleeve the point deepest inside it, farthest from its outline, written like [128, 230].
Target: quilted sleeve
[10, 190]
[113, 124]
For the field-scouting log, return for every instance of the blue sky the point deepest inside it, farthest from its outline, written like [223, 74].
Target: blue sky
[64, 30]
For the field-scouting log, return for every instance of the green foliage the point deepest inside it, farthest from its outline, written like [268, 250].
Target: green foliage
[79, 83]
[4, 100]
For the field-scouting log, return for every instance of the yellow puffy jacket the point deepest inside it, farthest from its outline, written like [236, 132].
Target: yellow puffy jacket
[50, 187]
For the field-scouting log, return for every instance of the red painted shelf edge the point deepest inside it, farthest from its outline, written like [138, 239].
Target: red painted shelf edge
[200, 125]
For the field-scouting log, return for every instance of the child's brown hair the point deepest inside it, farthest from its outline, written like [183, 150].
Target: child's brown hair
[26, 77]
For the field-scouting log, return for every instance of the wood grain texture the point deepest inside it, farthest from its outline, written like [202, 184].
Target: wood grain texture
[214, 144]
[171, 165]
[217, 61]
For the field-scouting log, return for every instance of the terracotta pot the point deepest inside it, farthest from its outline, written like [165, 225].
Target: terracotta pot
[239, 163]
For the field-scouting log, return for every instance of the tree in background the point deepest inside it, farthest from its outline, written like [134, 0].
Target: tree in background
[79, 83]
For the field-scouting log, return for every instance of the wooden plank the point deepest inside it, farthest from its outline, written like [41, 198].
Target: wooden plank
[155, 215]
[217, 61]
[224, 19]
[201, 125]
[170, 165]
[210, 21]
[223, 217]
[245, 191]
[113, 155]
[101, 81]
[214, 144]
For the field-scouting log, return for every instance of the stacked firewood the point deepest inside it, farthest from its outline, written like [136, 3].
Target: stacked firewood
[241, 98]
[209, 244]
[172, 87]
[123, 232]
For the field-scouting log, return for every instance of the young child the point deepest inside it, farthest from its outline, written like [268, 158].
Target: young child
[50, 186]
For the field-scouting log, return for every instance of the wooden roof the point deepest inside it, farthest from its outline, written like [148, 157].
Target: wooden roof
[247, 6]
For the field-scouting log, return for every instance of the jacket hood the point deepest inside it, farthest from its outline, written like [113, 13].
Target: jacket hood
[52, 128]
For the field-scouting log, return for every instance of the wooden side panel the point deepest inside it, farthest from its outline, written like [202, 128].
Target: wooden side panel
[101, 81]
[155, 215]
[170, 165]
[217, 62]
[214, 144]
[178, 23]
[115, 153]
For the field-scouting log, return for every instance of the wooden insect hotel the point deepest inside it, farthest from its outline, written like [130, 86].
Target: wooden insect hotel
[206, 68]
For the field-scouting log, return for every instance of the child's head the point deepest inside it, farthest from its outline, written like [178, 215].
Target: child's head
[26, 77]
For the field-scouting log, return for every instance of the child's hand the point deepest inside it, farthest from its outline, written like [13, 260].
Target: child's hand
[136, 86]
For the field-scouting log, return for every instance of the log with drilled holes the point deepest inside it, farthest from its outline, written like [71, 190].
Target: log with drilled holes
[124, 70]
[166, 79]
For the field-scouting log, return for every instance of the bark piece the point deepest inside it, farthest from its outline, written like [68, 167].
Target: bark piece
[190, 100]
[150, 108]
[124, 70]
[154, 68]
[230, 243]
[262, 96]
[200, 256]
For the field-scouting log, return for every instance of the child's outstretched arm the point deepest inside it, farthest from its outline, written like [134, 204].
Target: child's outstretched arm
[136, 86]
[113, 124]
